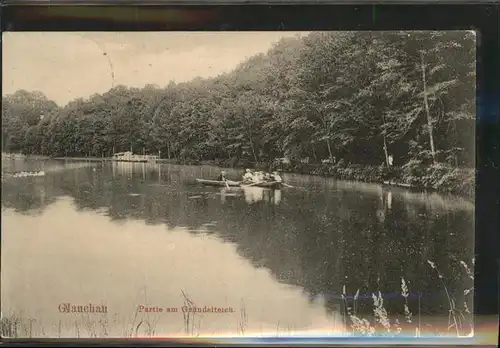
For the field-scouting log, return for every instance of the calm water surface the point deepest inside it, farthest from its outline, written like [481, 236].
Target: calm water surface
[125, 235]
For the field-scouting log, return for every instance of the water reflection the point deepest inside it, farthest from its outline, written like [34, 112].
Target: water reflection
[258, 194]
[319, 236]
[78, 257]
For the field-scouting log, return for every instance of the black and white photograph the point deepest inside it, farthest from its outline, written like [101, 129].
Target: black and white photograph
[238, 184]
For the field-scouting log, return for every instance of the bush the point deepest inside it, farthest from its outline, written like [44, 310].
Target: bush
[413, 172]
[440, 177]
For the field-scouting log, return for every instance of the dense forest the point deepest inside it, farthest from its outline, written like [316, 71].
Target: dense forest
[333, 99]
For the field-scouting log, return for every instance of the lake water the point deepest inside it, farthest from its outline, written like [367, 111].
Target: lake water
[123, 235]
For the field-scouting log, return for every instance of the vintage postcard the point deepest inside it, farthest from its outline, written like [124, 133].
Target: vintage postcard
[241, 184]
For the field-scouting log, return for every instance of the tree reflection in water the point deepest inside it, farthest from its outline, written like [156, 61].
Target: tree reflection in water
[326, 235]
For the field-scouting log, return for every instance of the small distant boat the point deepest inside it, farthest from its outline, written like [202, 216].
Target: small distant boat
[392, 183]
[128, 156]
[218, 183]
[22, 174]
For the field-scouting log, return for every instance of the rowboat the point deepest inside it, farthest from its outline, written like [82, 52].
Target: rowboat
[265, 184]
[218, 183]
[22, 174]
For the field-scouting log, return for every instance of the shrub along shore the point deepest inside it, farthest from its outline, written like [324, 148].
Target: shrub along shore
[438, 177]
[413, 175]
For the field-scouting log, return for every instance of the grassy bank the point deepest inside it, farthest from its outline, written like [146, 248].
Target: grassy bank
[10, 156]
[414, 175]
[100, 159]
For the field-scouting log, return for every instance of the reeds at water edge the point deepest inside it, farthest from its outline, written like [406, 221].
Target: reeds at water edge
[379, 323]
[460, 320]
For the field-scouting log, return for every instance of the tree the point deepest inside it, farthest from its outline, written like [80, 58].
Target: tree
[361, 97]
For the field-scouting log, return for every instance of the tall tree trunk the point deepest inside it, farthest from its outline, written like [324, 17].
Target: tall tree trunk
[253, 151]
[427, 111]
[455, 155]
[314, 153]
[386, 154]
[329, 150]
[385, 141]
[252, 146]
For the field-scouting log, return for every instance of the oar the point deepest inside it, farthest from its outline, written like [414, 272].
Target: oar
[227, 185]
[253, 184]
[260, 182]
[287, 185]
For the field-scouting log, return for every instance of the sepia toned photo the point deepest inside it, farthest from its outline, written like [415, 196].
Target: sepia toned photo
[238, 184]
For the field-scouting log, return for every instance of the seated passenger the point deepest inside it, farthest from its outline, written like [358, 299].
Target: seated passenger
[248, 176]
[277, 177]
[259, 177]
[222, 176]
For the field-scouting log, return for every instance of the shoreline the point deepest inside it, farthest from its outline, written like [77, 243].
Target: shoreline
[434, 178]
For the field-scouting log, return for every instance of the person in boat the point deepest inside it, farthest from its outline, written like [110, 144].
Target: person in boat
[222, 176]
[268, 177]
[258, 177]
[248, 176]
[276, 177]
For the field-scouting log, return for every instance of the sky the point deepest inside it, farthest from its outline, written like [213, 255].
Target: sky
[69, 65]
